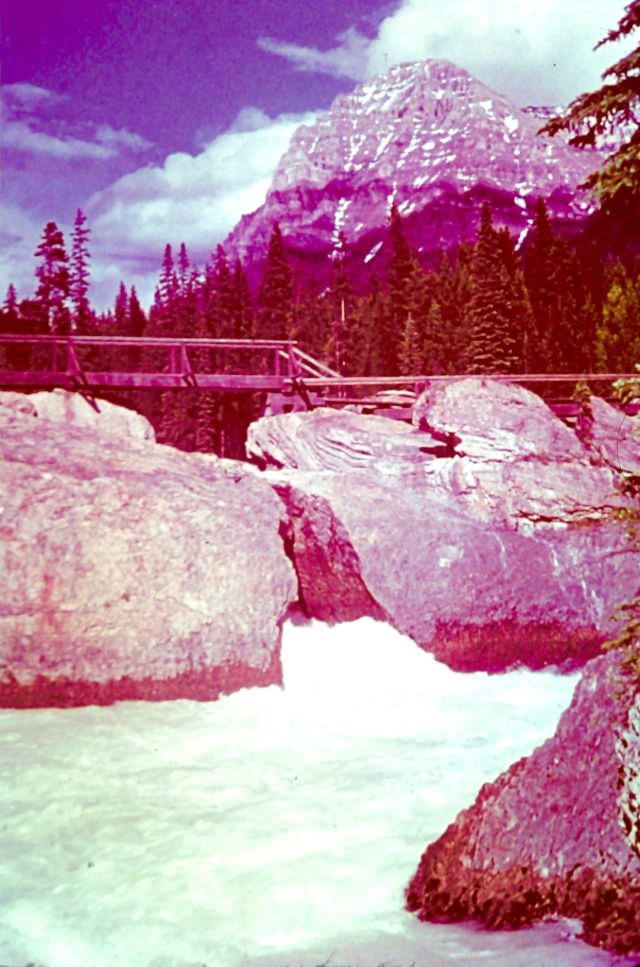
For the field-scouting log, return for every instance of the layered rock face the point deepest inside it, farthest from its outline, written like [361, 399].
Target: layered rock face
[557, 834]
[486, 535]
[130, 570]
[429, 137]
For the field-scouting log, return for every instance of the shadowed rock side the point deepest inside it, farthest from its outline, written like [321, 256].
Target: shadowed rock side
[554, 834]
[493, 548]
[131, 570]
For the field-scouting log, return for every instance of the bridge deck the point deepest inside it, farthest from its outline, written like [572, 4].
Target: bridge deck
[225, 365]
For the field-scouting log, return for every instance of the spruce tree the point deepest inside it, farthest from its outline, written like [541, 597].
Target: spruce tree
[54, 281]
[137, 318]
[491, 347]
[10, 316]
[614, 108]
[540, 278]
[79, 274]
[275, 309]
[403, 295]
[121, 310]
[411, 348]
[437, 342]
[618, 336]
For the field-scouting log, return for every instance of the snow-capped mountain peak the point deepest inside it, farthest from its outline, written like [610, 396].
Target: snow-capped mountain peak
[423, 134]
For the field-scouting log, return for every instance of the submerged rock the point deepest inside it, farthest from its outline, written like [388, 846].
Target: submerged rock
[557, 833]
[132, 570]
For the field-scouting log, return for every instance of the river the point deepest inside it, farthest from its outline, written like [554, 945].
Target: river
[273, 828]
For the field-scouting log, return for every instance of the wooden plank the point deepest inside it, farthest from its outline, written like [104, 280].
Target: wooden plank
[143, 342]
[94, 381]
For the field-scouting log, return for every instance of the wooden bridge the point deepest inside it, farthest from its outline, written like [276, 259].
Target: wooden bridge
[89, 364]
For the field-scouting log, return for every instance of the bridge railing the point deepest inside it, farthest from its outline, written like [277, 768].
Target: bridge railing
[270, 365]
[43, 360]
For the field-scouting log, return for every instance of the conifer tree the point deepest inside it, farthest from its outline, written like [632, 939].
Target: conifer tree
[168, 285]
[437, 359]
[9, 322]
[411, 348]
[335, 320]
[79, 274]
[54, 281]
[10, 318]
[183, 269]
[242, 302]
[137, 318]
[540, 277]
[446, 336]
[274, 319]
[618, 336]
[612, 108]
[403, 286]
[121, 310]
[491, 347]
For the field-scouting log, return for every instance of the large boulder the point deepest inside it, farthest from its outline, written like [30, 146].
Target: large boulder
[131, 570]
[479, 595]
[496, 449]
[340, 440]
[557, 834]
[62, 406]
[487, 532]
[613, 436]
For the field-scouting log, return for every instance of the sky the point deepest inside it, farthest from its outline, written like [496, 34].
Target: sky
[276, 827]
[164, 121]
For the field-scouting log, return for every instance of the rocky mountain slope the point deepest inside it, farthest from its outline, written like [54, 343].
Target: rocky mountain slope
[429, 137]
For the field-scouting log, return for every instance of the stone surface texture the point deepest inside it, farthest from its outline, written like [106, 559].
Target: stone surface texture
[431, 138]
[62, 406]
[328, 439]
[549, 836]
[500, 551]
[131, 570]
[614, 436]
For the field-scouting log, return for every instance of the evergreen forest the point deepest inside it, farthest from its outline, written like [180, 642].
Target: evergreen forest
[552, 305]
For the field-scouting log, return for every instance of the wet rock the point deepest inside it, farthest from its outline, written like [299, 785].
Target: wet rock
[131, 570]
[555, 835]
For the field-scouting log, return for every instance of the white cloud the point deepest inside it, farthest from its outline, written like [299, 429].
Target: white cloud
[533, 52]
[30, 95]
[199, 198]
[23, 136]
[116, 138]
[30, 126]
[20, 238]
[347, 59]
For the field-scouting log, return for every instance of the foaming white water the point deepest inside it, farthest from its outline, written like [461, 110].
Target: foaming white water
[274, 827]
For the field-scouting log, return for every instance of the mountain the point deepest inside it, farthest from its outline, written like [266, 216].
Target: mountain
[434, 140]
